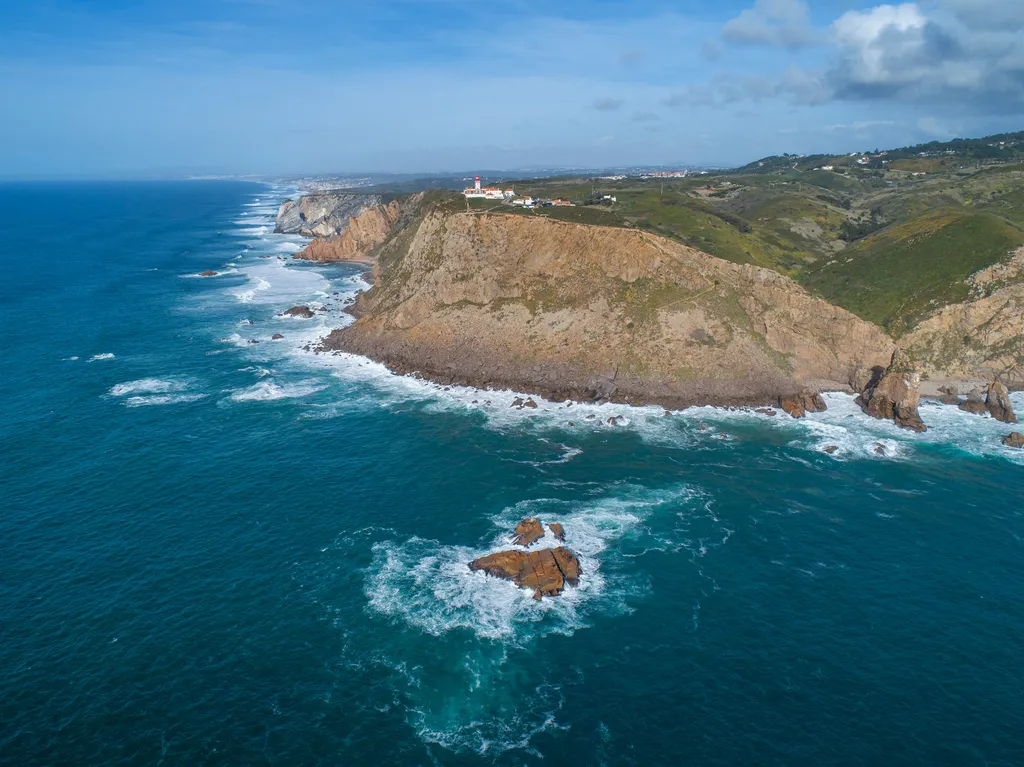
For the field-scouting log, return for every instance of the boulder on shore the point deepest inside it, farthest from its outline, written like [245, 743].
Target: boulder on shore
[896, 395]
[997, 401]
[798, 405]
[1014, 439]
[546, 571]
[302, 312]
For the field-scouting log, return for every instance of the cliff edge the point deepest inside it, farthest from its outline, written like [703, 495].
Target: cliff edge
[588, 312]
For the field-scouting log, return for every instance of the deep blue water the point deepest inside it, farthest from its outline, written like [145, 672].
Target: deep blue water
[218, 552]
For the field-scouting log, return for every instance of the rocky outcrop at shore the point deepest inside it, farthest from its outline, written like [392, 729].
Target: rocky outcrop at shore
[997, 401]
[300, 312]
[598, 313]
[322, 214]
[1014, 439]
[547, 571]
[798, 405]
[974, 403]
[896, 395]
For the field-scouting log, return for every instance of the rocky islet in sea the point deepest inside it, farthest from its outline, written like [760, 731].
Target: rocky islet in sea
[546, 571]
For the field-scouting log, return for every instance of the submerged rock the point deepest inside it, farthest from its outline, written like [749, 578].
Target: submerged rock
[798, 405]
[896, 395]
[998, 403]
[208, 273]
[302, 312]
[546, 571]
[276, 337]
[1014, 439]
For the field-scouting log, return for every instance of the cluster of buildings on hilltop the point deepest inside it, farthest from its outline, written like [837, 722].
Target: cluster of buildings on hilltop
[476, 192]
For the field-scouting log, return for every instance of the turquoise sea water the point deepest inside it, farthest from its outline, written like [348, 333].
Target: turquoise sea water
[218, 552]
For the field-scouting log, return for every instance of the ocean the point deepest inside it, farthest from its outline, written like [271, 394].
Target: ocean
[219, 552]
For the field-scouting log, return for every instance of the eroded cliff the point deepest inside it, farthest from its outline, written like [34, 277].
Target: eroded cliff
[570, 310]
[322, 214]
[981, 339]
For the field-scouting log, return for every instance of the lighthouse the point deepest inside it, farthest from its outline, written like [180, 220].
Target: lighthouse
[477, 186]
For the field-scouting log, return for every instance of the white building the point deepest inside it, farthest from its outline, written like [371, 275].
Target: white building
[474, 192]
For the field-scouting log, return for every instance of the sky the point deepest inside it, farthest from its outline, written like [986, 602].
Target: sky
[144, 88]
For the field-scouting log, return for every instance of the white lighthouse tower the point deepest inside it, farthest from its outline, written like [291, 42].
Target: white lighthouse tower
[477, 186]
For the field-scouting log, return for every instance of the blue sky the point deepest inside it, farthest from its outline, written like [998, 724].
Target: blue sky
[121, 88]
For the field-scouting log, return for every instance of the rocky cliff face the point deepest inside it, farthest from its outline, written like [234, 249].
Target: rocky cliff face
[358, 239]
[323, 214]
[981, 338]
[896, 395]
[597, 312]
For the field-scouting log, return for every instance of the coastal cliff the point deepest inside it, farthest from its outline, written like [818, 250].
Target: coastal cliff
[357, 238]
[980, 339]
[589, 312]
[323, 214]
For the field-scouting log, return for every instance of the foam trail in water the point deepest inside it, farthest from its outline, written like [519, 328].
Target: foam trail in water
[267, 391]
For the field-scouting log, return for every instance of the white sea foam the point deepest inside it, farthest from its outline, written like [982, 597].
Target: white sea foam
[147, 386]
[266, 391]
[99, 357]
[428, 585]
[289, 247]
[163, 399]
[256, 231]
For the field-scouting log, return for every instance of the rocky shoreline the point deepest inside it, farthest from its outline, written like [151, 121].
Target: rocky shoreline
[581, 313]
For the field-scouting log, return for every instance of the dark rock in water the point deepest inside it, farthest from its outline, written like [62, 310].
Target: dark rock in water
[546, 572]
[998, 403]
[253, 341]
[208, 273]
[896, 395]
[974, 403]
[765, 411]
[530, 403]
[302, 312]
[879, 449]
[615, 420]
[1014, 439]
[517, 402]
[528, 532]
[831, 449]
[276, 337]
[798, 405]
[557, 530]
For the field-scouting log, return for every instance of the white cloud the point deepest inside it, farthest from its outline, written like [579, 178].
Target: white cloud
[930, 52]
[772, 22]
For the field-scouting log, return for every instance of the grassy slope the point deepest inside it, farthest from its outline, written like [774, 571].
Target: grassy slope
[936, 230]
[897, 276]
